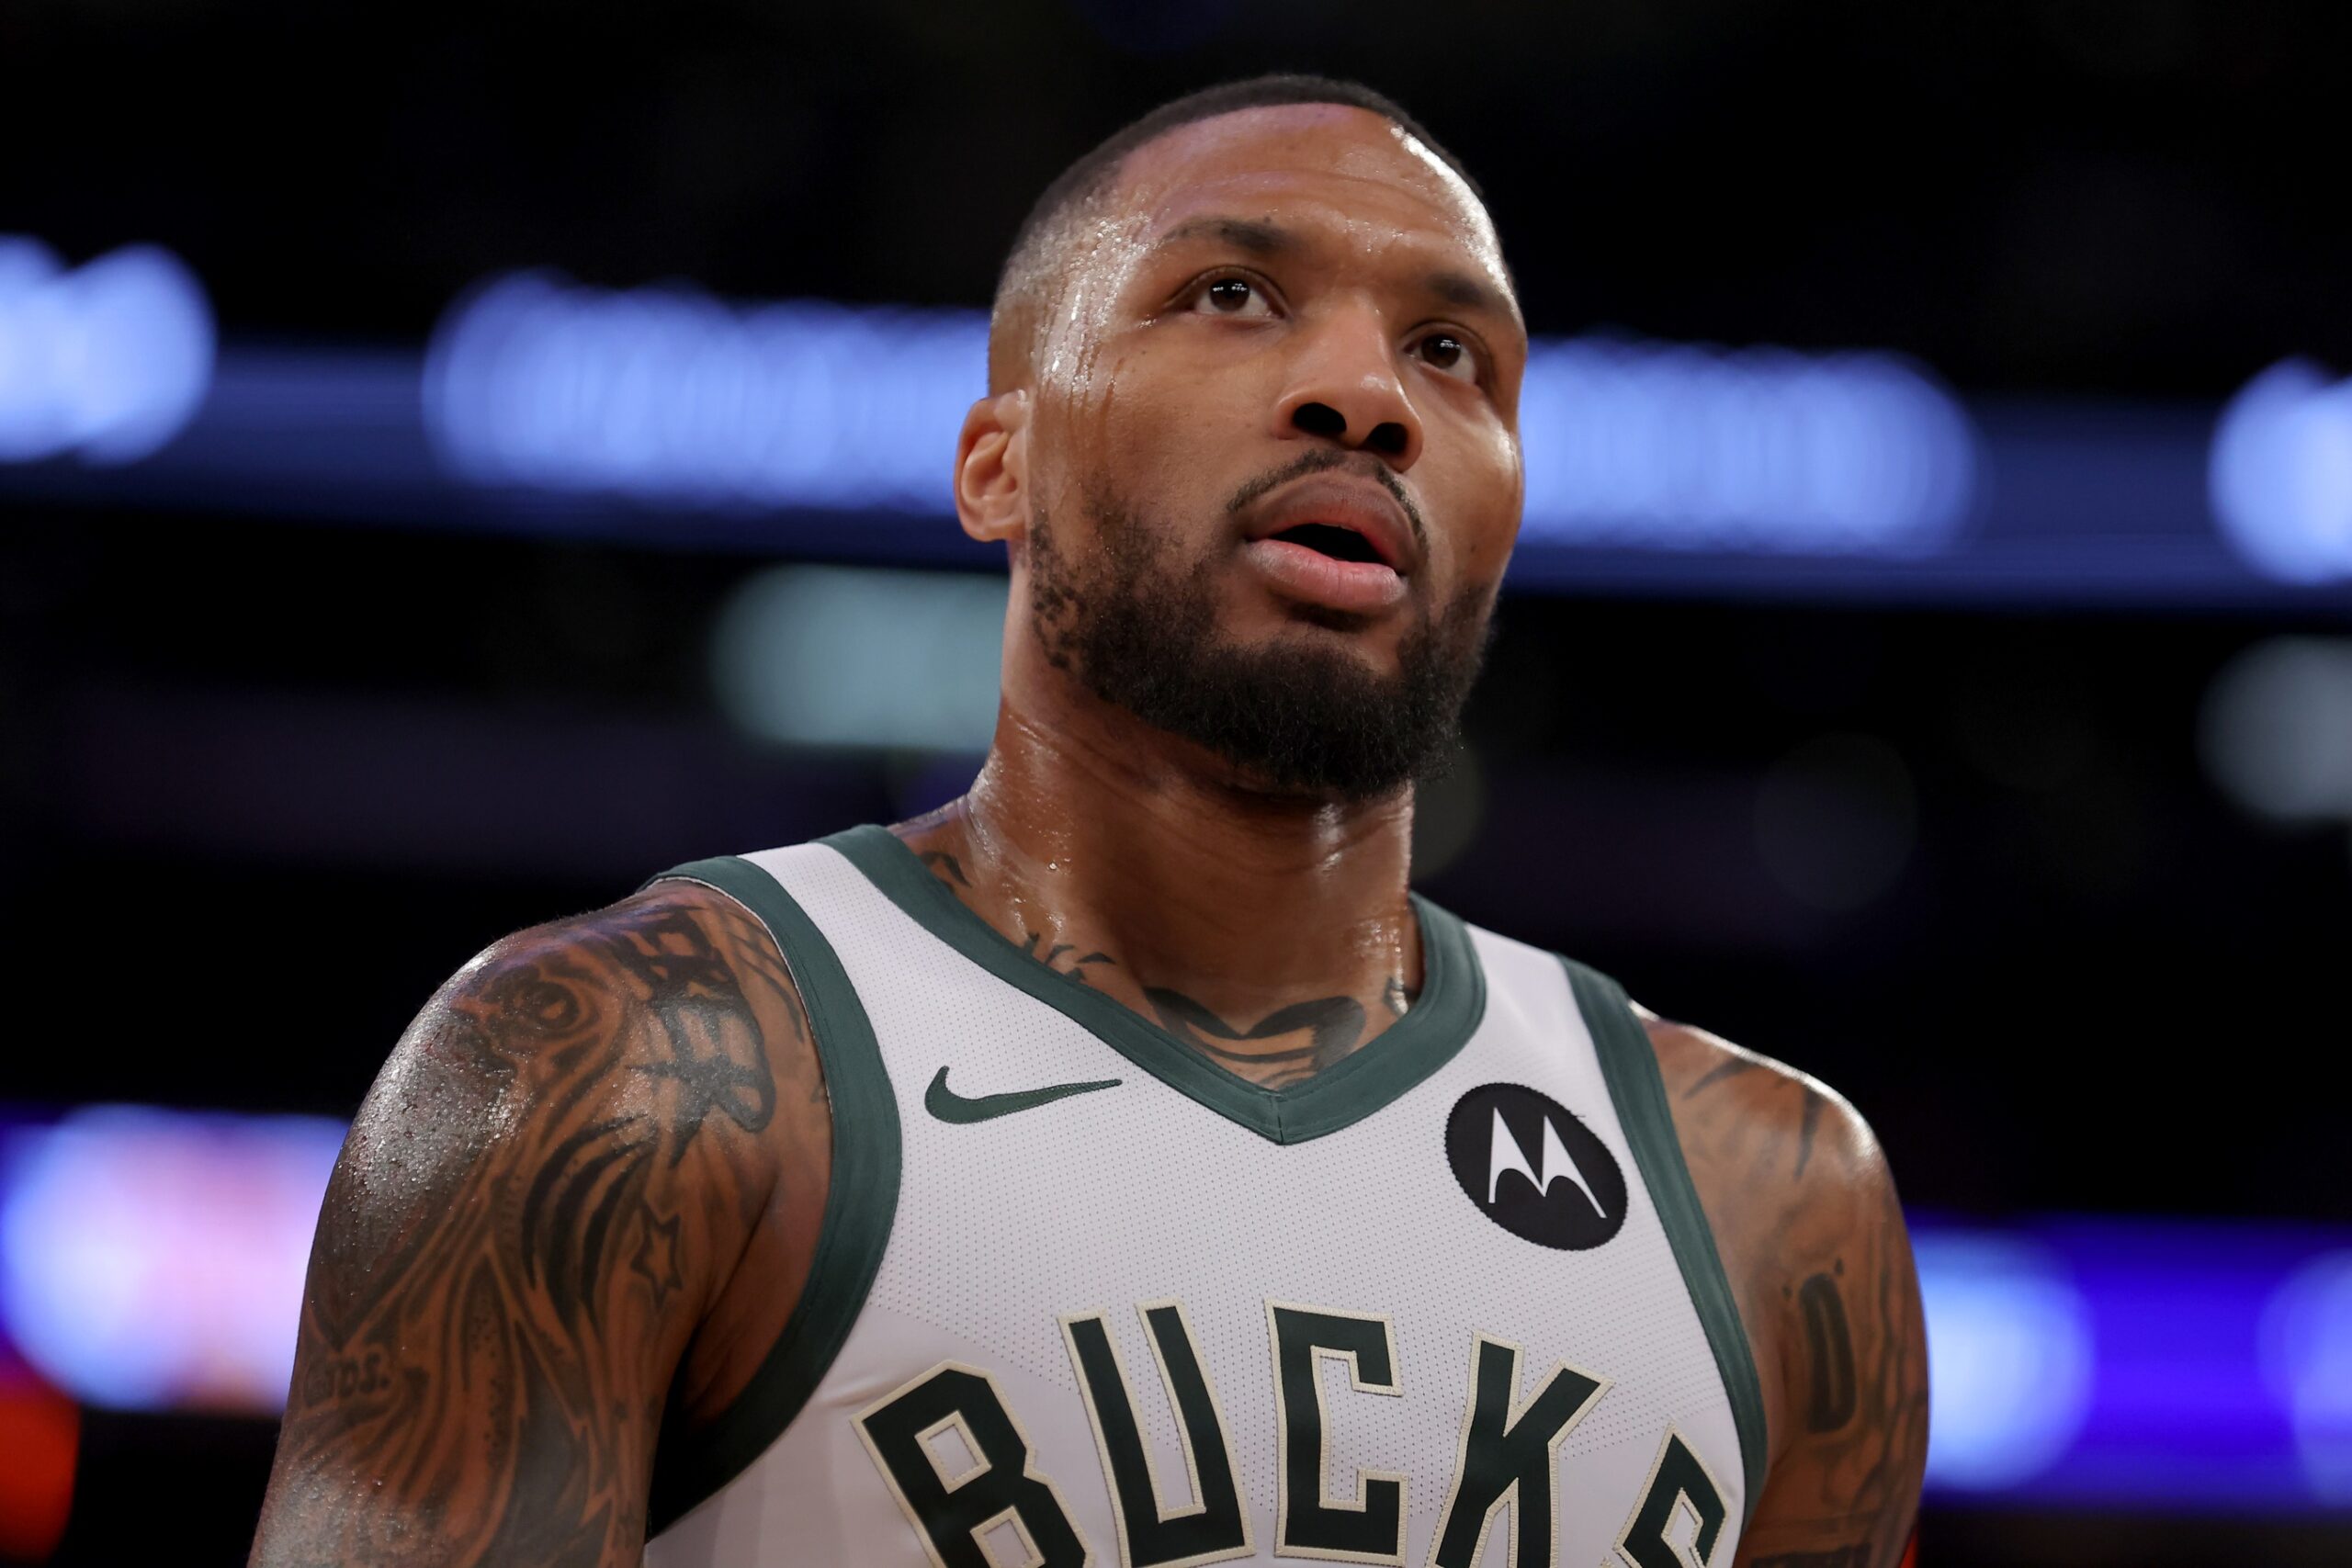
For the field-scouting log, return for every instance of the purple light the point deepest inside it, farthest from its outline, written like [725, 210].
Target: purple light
[2215, 1363]
[2009, 1359]
[153, 1258]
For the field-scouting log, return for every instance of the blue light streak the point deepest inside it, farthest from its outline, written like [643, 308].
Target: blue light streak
[108, 361]
[1684, 447]
[2183, 1365]
[670, 420]
[666, 394]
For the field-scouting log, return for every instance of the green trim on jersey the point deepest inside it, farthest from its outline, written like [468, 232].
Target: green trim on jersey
[861, 1201]
[1453, 1000]
[1629, 1064]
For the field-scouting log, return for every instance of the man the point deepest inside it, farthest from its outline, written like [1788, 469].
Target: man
[1119, 1165]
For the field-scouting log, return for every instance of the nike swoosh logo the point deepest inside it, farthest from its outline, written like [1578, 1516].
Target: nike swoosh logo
[948, 1106]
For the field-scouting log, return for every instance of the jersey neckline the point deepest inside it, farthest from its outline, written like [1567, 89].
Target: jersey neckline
[1433, 1032]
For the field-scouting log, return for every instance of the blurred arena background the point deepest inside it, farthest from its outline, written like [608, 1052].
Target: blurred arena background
[455, 466]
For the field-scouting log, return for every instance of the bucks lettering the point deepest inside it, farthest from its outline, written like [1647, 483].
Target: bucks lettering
[1510, 1451]
[1370, 1525]
[997, 1490]
[961, 1468]
[1678, 1481]
[1216, 1525]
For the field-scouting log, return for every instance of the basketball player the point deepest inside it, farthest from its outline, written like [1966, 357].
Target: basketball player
[1120, 1166]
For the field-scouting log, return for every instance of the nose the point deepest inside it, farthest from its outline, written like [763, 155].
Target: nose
[1344, 387]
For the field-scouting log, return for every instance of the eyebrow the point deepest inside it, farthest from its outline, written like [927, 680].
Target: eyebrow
[1258, 238]
[1465, 292]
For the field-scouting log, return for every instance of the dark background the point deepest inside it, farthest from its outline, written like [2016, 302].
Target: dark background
[264, 783]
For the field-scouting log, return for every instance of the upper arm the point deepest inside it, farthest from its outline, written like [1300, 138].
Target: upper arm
[545, 1189]
[1805, 1214]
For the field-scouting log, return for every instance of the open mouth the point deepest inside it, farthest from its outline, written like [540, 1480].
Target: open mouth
[1329, 539]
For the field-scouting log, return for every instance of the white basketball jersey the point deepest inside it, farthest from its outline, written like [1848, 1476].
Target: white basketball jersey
[1082, 1295]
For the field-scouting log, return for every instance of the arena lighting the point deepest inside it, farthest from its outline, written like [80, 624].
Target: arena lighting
[1683, 448]
[853, 656]
[666, 394]
[153, 1258]
[2281, 474]
[2276, 729]
[2009, 1360]
[2307, 1363]
[108, 361]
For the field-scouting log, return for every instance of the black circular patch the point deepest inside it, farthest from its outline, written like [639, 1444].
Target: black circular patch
[1533, 1169]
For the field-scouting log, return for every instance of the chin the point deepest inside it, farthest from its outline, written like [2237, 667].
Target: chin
[1318, 631]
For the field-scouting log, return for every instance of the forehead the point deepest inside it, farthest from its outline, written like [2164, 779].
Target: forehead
[1330, 164]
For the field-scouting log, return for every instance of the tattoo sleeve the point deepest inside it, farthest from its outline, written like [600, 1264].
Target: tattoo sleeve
[546, 1186]
[1805, 1215]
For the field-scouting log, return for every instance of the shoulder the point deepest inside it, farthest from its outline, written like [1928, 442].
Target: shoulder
[1803, 1211]
[559, 1178]
[1791, 1177]
[636, 976]
[658, 1042]
[669, 937]
[1745, 1113]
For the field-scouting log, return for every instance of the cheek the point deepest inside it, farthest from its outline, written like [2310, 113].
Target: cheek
[1487, 488]
[1160, 432]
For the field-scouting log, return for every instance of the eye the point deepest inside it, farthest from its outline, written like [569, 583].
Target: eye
[1232, 294]
[1448, 355]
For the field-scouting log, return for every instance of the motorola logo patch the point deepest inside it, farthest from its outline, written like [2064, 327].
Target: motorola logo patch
[1530, 1166]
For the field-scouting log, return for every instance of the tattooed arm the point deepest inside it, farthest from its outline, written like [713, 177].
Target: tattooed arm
[544, 1194]
[1803, 1211]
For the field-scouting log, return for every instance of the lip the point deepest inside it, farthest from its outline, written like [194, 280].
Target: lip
[1341, 501]
[1354, 587]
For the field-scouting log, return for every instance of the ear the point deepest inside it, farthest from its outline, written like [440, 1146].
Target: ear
[992, 469]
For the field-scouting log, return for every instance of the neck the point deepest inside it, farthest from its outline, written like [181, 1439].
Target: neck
[1160, 877]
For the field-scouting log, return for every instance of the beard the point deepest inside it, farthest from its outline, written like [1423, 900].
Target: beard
[1299, 715]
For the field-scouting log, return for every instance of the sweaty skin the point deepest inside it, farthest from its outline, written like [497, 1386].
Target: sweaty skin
[584, 1195]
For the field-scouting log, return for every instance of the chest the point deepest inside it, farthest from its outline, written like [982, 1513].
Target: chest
[1127, 1311]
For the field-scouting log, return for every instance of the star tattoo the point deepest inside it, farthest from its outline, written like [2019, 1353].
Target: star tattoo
[657, 1254]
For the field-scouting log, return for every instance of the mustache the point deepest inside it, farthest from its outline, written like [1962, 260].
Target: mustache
[1323, 459]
